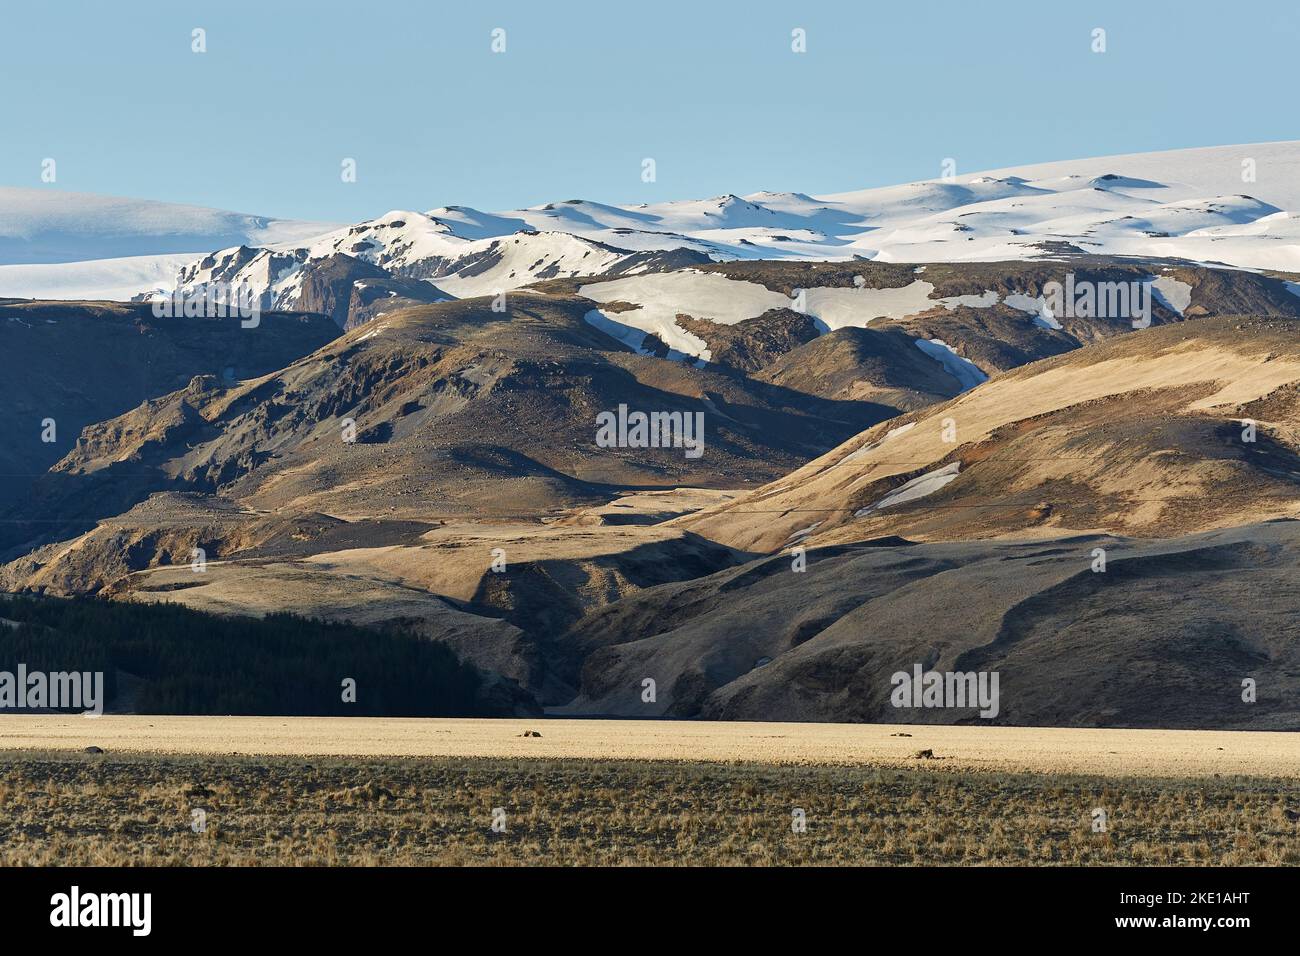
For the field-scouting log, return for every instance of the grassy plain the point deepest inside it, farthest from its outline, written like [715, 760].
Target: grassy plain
[325, 791]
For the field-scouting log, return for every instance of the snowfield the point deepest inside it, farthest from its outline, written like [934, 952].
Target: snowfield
[50, 225]
[659, 298]
[113, 279]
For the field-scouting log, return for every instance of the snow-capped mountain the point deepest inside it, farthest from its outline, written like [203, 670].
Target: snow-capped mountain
[1235, 205]
[411, 246]
[421, 246]
[1232, 204]
[1238, 205]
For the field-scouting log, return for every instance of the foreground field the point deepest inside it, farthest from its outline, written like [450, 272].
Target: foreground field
[1155, 753]
[414, 791]
[67, 808]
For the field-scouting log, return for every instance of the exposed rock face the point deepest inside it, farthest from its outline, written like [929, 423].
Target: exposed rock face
[352, 291]
[755, 343]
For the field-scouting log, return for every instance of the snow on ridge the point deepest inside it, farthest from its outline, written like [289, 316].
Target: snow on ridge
[409, 244]
[660, 297]
[1210, 170]
[1111, 185]
[1194, 204]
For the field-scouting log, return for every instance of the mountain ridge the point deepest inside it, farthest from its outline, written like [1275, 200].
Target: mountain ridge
[1200, 204]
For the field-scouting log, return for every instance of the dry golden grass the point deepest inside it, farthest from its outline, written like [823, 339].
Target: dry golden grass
[1116, 753]
[64, 808]
[635, 792]
[1168, 371]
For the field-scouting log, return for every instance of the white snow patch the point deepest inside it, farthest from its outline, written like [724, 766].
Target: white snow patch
[715, 298]
[1173, 293]
[631, 337]
[856, 308]
[901, 429]
[662, 296]
[984, 300]
[963, 370]
[1037, 307]
[918, 487]
[871, 446]
[370, 334]
[805, 532]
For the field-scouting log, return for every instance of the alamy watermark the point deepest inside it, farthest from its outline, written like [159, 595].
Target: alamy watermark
[956, 689]
[76, 908]
[55, 690]
[1085, 299]
[212, 300]
[626, 429]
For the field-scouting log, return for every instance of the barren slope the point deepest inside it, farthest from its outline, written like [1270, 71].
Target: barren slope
[80, 363]
[1142, 434]
[1163, 637]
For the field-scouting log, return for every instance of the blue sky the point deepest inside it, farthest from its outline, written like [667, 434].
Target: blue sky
[709, 89]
